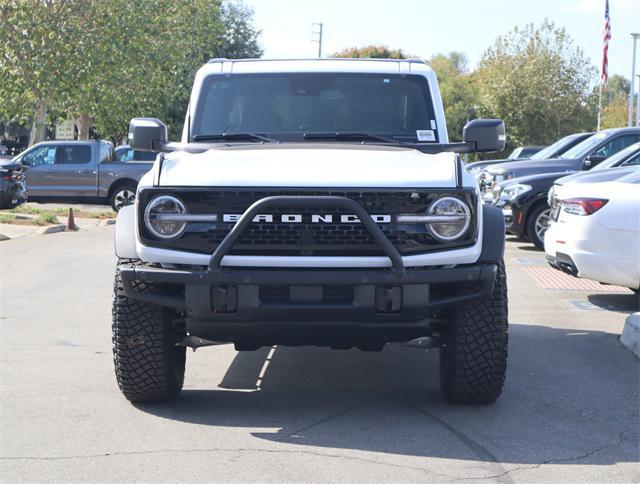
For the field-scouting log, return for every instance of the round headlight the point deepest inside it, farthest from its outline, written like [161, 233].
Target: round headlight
[160, 217]
[456, 218]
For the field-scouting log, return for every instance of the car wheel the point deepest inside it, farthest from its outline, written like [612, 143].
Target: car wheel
[6, 202]
[473, 359]
[538, 223]
[122, 196]
[149, 366]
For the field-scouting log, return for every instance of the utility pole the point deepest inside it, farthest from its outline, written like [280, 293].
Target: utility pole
[633, 78]
[319, 39]
[638, 104]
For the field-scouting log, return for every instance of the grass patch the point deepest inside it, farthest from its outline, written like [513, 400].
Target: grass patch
[7, 218]
[46, 219]
[33, 210]
[98, 215]
[29, 209]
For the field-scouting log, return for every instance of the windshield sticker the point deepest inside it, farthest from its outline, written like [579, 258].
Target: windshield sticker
[433, 124]
[425, 135]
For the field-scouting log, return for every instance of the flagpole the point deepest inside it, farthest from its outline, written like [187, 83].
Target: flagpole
[599, 107]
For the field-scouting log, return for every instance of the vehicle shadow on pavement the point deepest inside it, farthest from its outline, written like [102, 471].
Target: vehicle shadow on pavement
[624, 303]
[571, 396]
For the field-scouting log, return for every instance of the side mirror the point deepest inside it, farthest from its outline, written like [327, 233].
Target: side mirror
[485, 134]
[147, 134]
[592, 161]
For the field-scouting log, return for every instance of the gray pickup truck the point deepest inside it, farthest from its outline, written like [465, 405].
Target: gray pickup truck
[81, 171]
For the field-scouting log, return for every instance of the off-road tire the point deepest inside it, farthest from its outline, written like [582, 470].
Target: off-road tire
[473, 360]
[149, 366]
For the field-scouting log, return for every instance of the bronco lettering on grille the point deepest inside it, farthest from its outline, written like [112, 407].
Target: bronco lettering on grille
[293, 218]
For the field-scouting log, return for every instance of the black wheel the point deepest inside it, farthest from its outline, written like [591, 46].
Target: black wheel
[6, 201]
[537, 224]
[122, 195]
[473, 360]
[149, 366]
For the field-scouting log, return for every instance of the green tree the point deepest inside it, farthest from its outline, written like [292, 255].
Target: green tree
[371, 52]
[538, 83]
[102, 62]
[36, 39]
[457, 89]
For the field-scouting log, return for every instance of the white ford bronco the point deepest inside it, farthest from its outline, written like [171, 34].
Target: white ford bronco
[311, 202]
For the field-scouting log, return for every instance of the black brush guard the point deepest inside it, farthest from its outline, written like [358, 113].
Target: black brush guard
[231, 296]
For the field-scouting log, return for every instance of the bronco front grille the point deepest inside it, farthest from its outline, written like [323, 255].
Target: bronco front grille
[336, 238]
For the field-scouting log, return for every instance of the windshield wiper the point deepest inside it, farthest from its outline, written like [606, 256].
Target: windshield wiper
[233, 137]
[348, 136]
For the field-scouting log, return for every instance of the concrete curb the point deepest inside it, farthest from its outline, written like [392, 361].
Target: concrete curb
[630, 337]
[50, 229]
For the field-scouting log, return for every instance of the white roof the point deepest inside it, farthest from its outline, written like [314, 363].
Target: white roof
[384, 66]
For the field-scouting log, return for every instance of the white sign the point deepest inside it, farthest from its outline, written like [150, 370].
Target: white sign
[65, 130]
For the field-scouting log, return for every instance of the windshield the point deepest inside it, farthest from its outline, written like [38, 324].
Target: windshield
[615, 160]
[584, 148]
[554, 149]
[288, 106]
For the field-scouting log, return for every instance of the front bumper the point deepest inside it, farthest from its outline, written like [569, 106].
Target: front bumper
[367, 295]
[255, 308]
[513, 217]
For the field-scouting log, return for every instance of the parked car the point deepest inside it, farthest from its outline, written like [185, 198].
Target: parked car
[12, 184]
[550, 152]
[127, 153]
[80, 171]
[583, 156]
[526, 202]
[524, 152]
[595, 232]
[628, 157]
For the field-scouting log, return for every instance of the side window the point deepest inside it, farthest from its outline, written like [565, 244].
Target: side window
[615, 145]
[124, 155]
[634, 160]
[44, 155]
[73, 154]
[105, 153]
[144, 155]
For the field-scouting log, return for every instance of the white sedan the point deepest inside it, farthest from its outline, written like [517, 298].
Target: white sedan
[595, 231]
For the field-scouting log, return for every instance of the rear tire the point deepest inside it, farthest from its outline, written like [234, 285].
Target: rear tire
[149, 366]
[473, 361]
[122, 195]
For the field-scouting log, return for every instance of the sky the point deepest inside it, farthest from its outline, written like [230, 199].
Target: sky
[423, 28]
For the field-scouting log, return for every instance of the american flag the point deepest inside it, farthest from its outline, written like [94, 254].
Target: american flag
[606, 36]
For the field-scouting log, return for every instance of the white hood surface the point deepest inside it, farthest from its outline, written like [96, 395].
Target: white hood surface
[314, 165]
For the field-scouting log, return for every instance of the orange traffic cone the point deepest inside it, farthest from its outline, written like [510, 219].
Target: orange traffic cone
[71, 223]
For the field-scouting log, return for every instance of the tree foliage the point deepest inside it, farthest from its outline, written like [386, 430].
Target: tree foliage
[458, 92]
[538, 83]
[371, 52]
[105, 61]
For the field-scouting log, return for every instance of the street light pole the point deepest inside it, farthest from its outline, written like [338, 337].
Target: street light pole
[633, 77]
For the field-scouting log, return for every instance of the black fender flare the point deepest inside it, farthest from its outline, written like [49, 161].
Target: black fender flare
[493, 234]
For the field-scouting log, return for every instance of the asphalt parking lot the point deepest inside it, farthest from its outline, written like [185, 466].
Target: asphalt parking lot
[569, 411]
